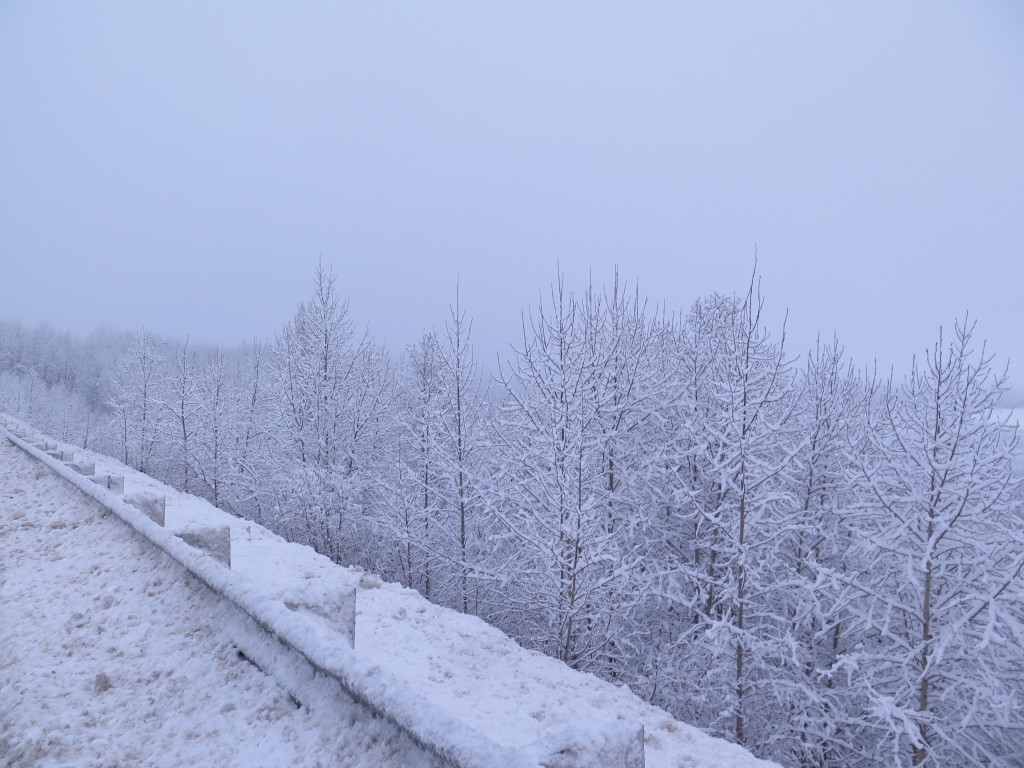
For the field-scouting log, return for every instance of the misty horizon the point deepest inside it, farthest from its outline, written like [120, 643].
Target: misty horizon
[871, 154]
[490, 358]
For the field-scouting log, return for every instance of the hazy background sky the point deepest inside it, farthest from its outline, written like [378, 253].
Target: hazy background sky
[182, 166]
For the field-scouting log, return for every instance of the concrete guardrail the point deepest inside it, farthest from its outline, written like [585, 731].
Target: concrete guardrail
[305, 657]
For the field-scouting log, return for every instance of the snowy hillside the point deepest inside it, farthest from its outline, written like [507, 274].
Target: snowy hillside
[117, 657]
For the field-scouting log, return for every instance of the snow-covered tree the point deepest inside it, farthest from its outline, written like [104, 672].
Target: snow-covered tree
[136, 404]
[329, 397]
[566, 437]
[463, 457]
[252, 457]
[313, 369]
[180, 400]
[417, 499]
[816, 694]
[731, 510]
[940, 546]
[825, 567]
[216, 425]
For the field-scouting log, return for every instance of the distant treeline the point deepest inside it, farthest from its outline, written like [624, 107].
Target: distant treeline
[822, 565]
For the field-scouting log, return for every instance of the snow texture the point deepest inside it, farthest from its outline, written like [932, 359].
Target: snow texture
[456, 684]
[116, 657]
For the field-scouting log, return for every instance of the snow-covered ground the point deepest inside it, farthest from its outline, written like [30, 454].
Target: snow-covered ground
[113, 656]
[84, 596]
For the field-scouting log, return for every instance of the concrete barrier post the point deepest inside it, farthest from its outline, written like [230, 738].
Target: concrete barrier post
[113, 483]
[339, 610]
[84, 467]
[152, 506]
[214, 540]
[619, 744]
[345, 615]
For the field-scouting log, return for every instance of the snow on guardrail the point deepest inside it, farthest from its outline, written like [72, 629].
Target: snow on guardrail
[547, 714]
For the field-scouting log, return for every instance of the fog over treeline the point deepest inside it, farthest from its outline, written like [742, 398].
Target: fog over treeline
[815, 560]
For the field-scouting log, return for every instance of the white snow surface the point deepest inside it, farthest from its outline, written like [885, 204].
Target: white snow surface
[85, 599]
[115, 657]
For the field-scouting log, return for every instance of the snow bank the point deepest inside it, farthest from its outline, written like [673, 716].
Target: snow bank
[457, 686]
[115, 657]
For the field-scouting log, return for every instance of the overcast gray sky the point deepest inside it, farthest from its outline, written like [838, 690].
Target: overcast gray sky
[182, 166]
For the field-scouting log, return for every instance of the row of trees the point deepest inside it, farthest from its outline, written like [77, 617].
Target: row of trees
[819, 564]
